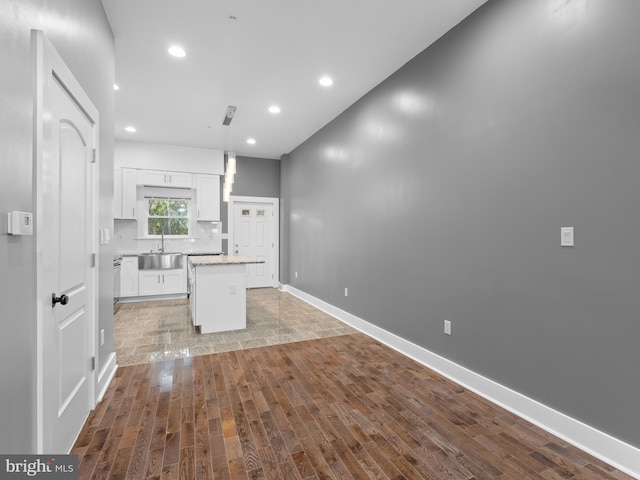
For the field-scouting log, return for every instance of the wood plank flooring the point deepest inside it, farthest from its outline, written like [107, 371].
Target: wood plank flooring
[345, 407]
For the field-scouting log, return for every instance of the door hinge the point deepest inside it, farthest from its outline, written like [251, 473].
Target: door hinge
[94, 155]
[93, 363]
[93, 260]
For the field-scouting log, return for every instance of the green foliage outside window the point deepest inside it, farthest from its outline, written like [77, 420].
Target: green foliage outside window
[168, 216]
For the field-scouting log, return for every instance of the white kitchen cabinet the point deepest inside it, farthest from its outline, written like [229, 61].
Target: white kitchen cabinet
[191, 290]
[159, 178]
[117, 193]
[208, 197]
[218, 292]
[124, 194]
[174, 281]
[162, 282]
[129, 193]
[180, 179]
[149, 282]
[129, 277]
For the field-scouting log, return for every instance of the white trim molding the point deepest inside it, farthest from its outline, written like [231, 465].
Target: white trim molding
[601, 445]
[105, 376]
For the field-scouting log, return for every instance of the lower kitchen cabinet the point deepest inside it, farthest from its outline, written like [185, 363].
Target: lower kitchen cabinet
[191, 292]
[161, 282]
[218, 297]
[129, 277]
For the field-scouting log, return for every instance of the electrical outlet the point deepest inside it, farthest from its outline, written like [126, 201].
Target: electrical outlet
[346, 292]
[447, 327]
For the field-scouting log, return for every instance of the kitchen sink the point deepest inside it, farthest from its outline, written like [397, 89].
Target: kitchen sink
[160, 261]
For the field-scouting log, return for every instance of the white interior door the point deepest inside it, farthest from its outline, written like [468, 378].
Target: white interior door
[253, 235]
[66, 270]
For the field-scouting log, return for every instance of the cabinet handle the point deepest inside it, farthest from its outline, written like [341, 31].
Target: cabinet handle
[133, 212]
[158, 278]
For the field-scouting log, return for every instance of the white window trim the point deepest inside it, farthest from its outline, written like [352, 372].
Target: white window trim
[148, 193]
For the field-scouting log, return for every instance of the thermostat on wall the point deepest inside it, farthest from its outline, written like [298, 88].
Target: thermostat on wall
[20, 223]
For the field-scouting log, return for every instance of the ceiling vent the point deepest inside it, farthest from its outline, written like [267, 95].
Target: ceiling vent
[231, 110]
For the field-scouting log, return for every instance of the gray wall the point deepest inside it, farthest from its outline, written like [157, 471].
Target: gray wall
[79, 31]
[441, 194]
[255, 177]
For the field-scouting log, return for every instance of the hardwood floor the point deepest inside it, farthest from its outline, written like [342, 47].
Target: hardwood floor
[345, 407]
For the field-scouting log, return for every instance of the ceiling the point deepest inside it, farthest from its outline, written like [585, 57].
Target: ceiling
[272, 53]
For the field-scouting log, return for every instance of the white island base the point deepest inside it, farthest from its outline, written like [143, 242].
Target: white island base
[218, 293]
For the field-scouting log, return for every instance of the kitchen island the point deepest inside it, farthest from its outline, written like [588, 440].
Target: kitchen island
[217, 291]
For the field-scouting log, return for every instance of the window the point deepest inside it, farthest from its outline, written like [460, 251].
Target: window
[168, 216]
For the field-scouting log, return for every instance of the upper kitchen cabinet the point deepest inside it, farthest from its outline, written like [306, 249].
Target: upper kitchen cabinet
[158, 178]
[208, 197]
[124, 194]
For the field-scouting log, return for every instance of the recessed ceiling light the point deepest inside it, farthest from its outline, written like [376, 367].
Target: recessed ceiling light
[325, 81]
[274, 109]
[232, 17]
[251, 141]
[177, 51]
[116, 87]
[130, 129]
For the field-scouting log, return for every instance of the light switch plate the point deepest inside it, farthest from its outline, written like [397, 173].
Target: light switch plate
[566, 237]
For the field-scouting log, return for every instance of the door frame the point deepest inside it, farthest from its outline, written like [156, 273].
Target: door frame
[275, 204]
[48, 63]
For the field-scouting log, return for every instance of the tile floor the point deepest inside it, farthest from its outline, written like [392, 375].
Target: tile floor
[161, 330]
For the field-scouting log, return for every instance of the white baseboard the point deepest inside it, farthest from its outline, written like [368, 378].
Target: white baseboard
[601, 445]
[152, 298]
[105, 376]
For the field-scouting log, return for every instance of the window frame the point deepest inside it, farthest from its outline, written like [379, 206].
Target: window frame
[147, 216]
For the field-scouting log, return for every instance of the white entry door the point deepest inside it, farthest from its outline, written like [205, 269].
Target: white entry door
[254, 231]
[66, 276]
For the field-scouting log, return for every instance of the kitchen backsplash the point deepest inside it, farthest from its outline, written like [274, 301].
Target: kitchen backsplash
[208, 238]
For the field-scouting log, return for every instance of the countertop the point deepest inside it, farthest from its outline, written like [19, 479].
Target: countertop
[222, 260]
[135, 254]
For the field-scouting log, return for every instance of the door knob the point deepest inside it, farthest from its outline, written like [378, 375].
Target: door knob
[62, 299]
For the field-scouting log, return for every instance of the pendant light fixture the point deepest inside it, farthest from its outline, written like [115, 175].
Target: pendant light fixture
[230, 169]
[229, 176]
